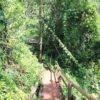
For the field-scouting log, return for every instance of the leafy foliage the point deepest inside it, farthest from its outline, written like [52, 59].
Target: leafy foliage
[19, 67]
[8, 89]
[76, 24]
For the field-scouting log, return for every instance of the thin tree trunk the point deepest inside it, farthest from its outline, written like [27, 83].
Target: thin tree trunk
[41, 29]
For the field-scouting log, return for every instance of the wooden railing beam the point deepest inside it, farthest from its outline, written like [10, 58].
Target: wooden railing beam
[75, 85]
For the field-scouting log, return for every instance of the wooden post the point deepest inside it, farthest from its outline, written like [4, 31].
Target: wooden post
[69, 90]
[70, 96]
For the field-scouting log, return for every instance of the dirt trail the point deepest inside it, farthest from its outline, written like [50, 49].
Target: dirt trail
[51, 89]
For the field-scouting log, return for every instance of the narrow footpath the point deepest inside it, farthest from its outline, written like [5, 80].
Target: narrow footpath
[51, 88]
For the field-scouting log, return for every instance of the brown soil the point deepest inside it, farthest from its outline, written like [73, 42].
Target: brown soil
[51, 89]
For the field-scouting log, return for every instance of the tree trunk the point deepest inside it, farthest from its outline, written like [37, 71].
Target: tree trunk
[41, 29]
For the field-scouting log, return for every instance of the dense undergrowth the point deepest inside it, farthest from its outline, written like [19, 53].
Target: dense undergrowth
[17, 79]
[19, 68]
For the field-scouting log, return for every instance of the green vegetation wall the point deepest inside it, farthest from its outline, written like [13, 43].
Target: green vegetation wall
[19, 68]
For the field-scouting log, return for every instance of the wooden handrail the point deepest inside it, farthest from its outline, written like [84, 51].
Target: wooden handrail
[75, 85]
[35, 91]
[32, 94]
